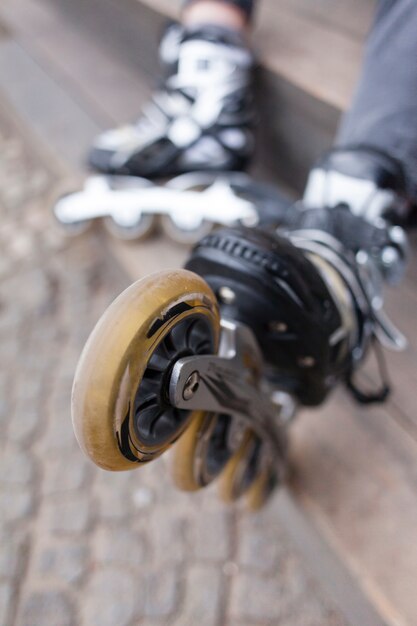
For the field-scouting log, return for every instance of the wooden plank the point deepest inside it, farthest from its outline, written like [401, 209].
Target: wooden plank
[316, 58]
[295, 128]
[128, 30]
[339, 583]
[355, 471]
[349, 17]
[111, 90]
[170, 8]
[26, 16]
[47, 109]
[108, 90]
[322, 57]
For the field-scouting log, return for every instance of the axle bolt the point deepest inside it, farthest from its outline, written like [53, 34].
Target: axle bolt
[191, 386]
[306, 361]
[278, 327]
[227, 295]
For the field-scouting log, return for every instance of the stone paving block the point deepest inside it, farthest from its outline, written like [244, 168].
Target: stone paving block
[25, 422]
[120, 545]
[32, 389]
[260, 546]
[16, 503]
[69, 513]
[289, 597]
[59, 433]
[149, 478]
[153, 622]
[113, 597]
[168, 537]
[162, 592]
[6, 265]
[113, 495]
[312, 614]
[211, 534]
[8, 350]
[67, 472]
[65, 561]
[17, 467]
[202, 600]
[13, 548]
[303, 600]
[143, 497]
[47, 608]
[30, 288]
[256, 598]
[232, 622]
[5, 400]
[6, 593]
[10, 318]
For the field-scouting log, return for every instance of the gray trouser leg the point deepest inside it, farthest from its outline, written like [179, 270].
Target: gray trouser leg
[384, 111]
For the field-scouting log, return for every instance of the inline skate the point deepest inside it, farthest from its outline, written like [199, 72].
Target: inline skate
[202, 117]
[185, 208]
[216, 358]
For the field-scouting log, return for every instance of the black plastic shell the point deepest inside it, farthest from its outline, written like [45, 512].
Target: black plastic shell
[281, 296]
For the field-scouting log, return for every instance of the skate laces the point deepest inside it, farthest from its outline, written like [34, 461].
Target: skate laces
[210, 77]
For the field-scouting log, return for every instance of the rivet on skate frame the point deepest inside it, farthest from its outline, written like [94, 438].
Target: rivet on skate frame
[278, 327]
[306, 361]
[227, 295]
[191, 386]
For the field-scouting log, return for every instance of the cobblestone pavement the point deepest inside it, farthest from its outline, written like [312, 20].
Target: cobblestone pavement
[80, 546]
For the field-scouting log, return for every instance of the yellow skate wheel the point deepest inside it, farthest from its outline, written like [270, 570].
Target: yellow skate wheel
[60, 198]
[141, 230]
[117, 225]
[242, 470]
[120, 405]
[185, 236]
[193, 229]
[202, 452]
[261, 489]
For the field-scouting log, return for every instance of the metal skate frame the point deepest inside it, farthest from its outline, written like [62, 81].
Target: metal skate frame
[227, 383]
[133, 198]
[363, 279]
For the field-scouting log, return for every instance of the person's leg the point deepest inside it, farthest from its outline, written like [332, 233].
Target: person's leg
[202, 117]
[384, 111]
[374, 165]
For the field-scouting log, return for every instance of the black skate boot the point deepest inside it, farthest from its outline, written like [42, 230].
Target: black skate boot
[360, 196]
[200, 120]
[370, 182]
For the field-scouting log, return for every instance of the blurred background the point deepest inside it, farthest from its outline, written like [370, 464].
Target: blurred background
[78, 546]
